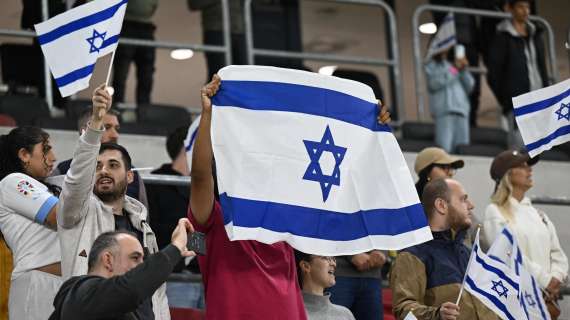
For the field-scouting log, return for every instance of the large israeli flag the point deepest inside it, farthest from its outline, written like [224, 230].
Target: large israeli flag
[543, 117]
[300, 158]
[445, 37]
[72, 41]
[506, 250]
[494, 283]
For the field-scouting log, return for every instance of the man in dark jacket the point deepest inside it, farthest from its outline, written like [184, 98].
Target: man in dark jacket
[118, 280]
[516, 60]
[426, 279]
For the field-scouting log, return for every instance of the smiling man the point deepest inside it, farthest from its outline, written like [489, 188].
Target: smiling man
[93, 201]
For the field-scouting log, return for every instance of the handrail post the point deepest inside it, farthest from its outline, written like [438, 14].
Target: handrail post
[418, 63]
[47, 74]
[393, 62]
[227, 32]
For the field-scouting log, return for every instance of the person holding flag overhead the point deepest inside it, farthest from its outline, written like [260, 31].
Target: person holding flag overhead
[268, 270]
[537, 238]
[426, 279]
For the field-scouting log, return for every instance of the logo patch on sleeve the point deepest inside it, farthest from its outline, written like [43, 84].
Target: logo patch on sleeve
[25, 188]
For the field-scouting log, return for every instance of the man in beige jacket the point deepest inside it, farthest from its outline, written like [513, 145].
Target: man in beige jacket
[93, 201]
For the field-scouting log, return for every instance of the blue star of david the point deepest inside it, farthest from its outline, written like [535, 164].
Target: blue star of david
[560, 111]
[499, 288]
[91, 40]
[314, 172]
[529, 300]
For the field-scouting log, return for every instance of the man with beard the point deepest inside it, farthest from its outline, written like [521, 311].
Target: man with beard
[93, 201]
[426, 278]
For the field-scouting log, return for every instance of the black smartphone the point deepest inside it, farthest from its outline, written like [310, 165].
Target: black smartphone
[197, 243]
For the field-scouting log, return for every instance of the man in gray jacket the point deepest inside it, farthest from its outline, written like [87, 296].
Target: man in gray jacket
[93, 200]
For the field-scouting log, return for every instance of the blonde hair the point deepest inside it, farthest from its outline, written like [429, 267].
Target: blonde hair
[501, 197]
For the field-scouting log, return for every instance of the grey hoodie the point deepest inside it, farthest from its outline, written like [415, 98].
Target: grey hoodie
[82, 216]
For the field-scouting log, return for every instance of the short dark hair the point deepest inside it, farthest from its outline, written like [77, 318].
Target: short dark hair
[85, 115]
[301, 256]
[175, 141]
[105, 241]
[124, 153]
[435, 189]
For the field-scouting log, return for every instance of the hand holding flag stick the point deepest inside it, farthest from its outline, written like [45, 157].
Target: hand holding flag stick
[102, 101]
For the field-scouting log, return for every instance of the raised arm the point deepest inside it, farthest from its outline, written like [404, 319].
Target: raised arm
[79, 180]
[202, 182]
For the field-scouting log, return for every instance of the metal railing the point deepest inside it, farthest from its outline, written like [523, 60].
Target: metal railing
[418, 61]
[393, 64]
[226, 48]
[555, 201]
[568, 44]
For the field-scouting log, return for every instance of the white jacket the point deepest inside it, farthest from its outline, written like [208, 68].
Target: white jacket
[82, 216]
[536, 236]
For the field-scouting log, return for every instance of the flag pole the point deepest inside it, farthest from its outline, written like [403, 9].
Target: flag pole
[108, 78]
[468, 265]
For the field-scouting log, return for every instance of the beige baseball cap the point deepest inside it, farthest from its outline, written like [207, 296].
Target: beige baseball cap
[434, 155]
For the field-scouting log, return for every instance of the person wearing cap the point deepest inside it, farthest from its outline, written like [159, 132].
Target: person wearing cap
[536, 235]
[433, 163]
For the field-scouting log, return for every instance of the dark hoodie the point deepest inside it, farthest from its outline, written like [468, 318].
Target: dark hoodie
[92, 297]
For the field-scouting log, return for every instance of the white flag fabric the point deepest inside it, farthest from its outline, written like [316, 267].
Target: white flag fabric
[189, 141]
[301, 158]
[543, 117]
[494, 283]
[72, 41]
[445, 37]
[410, 316]
[506, 250]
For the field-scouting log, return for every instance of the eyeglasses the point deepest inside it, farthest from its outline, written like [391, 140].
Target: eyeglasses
[327, 258]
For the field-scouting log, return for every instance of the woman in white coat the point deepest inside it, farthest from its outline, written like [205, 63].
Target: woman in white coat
[535, 233]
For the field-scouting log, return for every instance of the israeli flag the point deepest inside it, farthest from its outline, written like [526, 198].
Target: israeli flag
[543, 117]
[301, 158]
[190, 139]
[494, 283]
[72, 41]
[506, 250]
[445, 37]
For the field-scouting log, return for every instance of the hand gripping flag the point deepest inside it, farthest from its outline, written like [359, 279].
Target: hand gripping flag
[494, 283]
[445, 37]
[72, 41]
[506, 250]
[300, 158]
[543, 117]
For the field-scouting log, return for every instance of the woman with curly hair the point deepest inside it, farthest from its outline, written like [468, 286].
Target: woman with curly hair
[28, 221]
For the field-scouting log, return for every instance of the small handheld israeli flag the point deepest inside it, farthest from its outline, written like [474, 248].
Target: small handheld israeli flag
[506, 250]
[494, 283]
[543, 117]
[445, 37]
[74, 40]
[301, 158]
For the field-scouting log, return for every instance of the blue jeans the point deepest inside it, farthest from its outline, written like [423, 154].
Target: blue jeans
[363, 296]
[185, 295]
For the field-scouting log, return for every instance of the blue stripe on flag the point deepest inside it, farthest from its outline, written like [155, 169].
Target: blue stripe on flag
[508, 235]
[321, 224]
[80, 23]
[446, 41]
[562, 131]
[192, 138]
[277, 96]
[496, 271]
[501, 306]
[75, 75]
[84, 71]
[537, 298]
[541, 105]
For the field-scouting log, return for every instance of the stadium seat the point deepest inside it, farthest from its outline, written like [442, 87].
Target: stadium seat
[482, 150]
[21, 65]
[56, 123]
[7, 121]
[168, 116]
[74, 108]
[555, 154]
[24, 109]
[489, 136]
[145, 129]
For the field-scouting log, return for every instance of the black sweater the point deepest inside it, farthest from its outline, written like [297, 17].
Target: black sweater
[92, 297]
